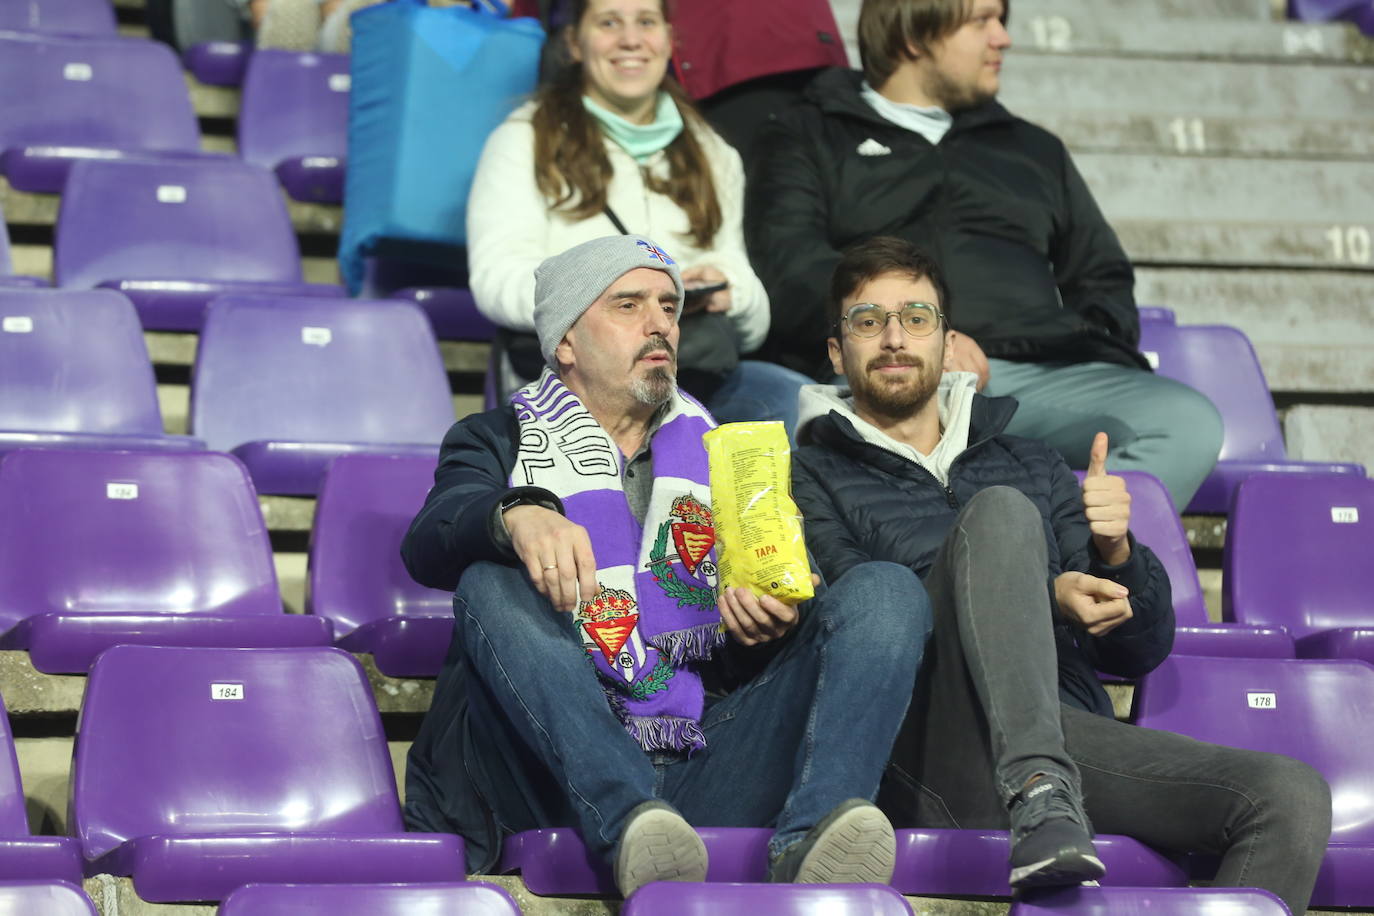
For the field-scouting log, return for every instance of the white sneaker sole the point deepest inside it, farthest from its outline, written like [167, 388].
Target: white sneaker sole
[659, 845]
[1040, 874]
[858, 848]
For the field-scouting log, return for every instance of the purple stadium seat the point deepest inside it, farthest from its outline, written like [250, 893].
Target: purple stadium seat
[24, 857]
[1218, 361]
[67, 99]
[218, 63]
[1325, 10]
[1156, 524]
[1136, 901]
[8, 279]
[461, 898]
[106, 547]
[294, 120]
[197, 771]
[75, 372]
[1316, 711]
[356, 577]
[687, 899]
[56, 898]
[1300, 554]
[91, 18]
[288, 384]
[172, 235]
[930, 861]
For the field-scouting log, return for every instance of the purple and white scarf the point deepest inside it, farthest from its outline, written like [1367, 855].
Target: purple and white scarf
[655, 609]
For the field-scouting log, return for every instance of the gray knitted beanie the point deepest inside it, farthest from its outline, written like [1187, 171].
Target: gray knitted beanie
[567, 284]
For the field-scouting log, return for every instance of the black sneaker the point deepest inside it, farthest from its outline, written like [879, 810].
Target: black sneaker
[1051, 840]
[853, 844]
[657, 844]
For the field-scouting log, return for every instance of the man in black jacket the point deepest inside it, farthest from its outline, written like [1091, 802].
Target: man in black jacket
[1035, 584]
[588, 680]
[917, 147]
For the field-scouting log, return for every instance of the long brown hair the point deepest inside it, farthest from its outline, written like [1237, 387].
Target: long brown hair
[572, 170]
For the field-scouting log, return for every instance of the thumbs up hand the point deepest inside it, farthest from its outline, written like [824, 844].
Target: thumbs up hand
[1107, 505]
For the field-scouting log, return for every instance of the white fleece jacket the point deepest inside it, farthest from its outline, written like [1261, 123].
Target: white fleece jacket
[511, 229]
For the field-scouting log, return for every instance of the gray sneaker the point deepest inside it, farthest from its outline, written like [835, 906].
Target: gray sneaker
[657, 844]
[1051, 839]
[853, 844]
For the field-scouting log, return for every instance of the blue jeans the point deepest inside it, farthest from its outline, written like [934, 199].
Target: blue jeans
[1153, 423]
[812, 729]
[759, 391]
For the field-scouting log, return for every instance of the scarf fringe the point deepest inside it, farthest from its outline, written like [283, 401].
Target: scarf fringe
[665, 733]
[692, 644]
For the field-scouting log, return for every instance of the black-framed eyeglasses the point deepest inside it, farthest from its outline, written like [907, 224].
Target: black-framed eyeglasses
[919, 319]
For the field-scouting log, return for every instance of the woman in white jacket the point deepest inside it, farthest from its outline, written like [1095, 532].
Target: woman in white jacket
[611, 138]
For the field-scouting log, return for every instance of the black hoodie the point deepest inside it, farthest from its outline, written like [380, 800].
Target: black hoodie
[1034, 271]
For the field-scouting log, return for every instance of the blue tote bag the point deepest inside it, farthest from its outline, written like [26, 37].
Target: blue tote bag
[428, 86]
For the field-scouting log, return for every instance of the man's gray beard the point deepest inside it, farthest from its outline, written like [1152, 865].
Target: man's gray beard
[654, 388]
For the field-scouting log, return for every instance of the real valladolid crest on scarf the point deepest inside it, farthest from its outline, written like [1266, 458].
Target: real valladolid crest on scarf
[655, 608]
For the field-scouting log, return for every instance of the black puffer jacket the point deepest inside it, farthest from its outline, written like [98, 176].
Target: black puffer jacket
[862, 502]
[1035, 272]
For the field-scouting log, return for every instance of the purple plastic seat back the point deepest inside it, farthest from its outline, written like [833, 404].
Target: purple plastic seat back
[74, 361]
[195, 742]
[1154, 901]
[1316, 711]
[115, 93]
[1218, 361]
[184, 219]
[295, 105]
[50, 898]
[1156, 524]
[467, 898]
[1323, 10]
[131, 532]
[318, 370]
[772, 899]
[93, 18]
[1300, 552]
[364, 509]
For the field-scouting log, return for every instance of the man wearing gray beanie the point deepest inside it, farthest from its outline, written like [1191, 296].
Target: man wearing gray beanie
[600, 678]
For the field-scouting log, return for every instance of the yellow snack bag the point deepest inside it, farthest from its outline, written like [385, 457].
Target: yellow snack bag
[759, 540]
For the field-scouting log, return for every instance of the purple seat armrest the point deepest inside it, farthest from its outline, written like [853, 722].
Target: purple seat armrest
[56, 858]
[314, 179]
[1214, 496]
[1341, 642]
[166, 869]
[938, 862]
[297, 468]
[403, 646]
[68, 643]
[451, 311]
[179, 305]
[555, 862]
[1234, 640]
[218, 63]
[18, 438]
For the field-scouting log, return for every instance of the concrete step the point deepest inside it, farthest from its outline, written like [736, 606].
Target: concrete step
[1077, 11]
[1059, 27]
[1326, 433]
[1311, 329]
[1192, 136]
[1252, 212]
[1196, 107]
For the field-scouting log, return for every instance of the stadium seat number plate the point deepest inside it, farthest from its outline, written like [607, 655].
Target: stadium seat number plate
[121, 491]
[1262, 700]
[226, 691]
[1345, 515]
[17, 324]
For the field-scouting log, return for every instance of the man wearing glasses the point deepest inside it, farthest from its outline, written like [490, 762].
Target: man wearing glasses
[1035, 585]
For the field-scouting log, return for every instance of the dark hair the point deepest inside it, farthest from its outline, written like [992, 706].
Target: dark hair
[888, 29]
[865, 261]
[571, 168]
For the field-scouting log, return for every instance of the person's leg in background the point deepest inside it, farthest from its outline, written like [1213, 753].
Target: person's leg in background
[757, 390]
[1153, 423]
